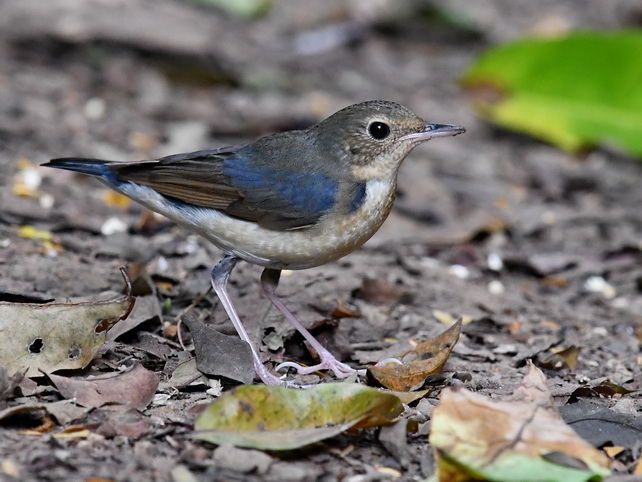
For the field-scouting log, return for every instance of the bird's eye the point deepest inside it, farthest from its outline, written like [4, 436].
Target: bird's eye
[379, 130]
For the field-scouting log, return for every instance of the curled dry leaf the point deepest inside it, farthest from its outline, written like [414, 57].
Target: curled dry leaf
[523, 439]
[430, 357]
[278, 418]
[47, 337]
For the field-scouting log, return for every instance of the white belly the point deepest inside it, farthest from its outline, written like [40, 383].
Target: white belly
[330, 239]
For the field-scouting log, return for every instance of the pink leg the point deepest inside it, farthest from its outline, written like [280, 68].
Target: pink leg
[220, 275]
[269, 282]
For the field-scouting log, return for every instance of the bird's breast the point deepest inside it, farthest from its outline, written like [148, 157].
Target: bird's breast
[334, 236]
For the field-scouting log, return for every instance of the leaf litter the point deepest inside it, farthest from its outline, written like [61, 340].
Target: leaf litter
[528, 187]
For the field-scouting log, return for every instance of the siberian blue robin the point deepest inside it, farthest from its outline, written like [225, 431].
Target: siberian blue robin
[291, 200]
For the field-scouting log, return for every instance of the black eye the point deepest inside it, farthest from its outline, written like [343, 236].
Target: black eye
[379, 130]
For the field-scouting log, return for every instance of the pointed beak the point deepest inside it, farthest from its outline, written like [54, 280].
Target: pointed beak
[436, 130]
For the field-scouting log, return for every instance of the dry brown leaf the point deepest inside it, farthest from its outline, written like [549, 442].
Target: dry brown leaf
[121, 391]
[380, 291]
[430, 357]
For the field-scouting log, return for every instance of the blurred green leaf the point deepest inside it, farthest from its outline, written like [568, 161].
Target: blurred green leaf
[517, 467]
[278, 418]
[577, 91]
[240, 8]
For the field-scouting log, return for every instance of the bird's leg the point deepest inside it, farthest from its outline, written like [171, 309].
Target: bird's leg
[269, 282]
[220, 275]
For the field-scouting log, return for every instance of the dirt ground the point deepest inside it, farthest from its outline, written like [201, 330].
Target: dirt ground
[539, 249]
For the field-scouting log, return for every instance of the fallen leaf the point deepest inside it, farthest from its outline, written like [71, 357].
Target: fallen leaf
[407, 397]
[48, 242]
[566, 358]
[13, 297]
[131, 424]
[30, 232]
[147, 307]
[185, 374]
[64, 411]
[9, 383]
[600, 390]
[37, 337]
[116, 200]
[121, 391]
[601, 426]
[240, 8]
[525, 439]
[395, 440]
[218, 354]
[278, 418]
[430, 357]
[342, 310]
[73, 432]
[614, 451]
[380, 291]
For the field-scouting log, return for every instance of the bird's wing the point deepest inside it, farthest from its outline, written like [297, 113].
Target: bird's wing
[228, 180]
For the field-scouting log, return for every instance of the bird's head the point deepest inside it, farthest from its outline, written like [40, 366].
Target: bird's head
[374, 137]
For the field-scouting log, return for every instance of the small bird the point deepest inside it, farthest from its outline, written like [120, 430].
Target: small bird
[291, 200]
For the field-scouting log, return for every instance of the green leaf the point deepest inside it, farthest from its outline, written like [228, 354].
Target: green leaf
[518, 467]
[576, 91]
[240, 8]
[278, 418]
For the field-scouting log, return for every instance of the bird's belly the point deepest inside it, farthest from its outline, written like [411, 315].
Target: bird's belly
[332, 238]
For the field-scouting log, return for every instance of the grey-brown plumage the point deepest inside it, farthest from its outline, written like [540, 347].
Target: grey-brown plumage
[290, 200]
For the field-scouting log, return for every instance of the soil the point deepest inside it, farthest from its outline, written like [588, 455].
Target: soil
[539, 250]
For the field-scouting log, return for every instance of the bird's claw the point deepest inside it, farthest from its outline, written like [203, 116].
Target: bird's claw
[270, 379]
[340, 370]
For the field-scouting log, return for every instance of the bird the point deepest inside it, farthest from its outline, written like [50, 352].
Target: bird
[286, 201]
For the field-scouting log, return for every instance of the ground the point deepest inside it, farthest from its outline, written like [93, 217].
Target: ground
[537, 249]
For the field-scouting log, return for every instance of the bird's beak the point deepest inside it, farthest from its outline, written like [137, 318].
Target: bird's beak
[435, 130]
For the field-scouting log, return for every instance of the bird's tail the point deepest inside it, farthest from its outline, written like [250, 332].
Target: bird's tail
[93, 167]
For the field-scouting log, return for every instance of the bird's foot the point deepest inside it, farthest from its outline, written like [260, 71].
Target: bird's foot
[270, 379]
[340, 369]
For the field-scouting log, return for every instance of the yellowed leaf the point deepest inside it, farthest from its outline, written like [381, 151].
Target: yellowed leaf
[279, 418]
[54, 336]
[115, 199]
[525, 438]
[29, 232]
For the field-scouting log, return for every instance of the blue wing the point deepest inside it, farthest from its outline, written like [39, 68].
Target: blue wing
[227, 179]
[282, 196]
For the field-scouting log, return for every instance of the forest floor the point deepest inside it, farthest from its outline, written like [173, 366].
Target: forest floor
[537, 249]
